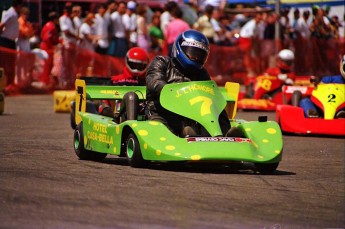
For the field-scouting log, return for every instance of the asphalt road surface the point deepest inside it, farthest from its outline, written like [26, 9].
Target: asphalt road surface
[44, 185]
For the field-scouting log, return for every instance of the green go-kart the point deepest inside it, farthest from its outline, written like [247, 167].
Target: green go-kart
[143, 141]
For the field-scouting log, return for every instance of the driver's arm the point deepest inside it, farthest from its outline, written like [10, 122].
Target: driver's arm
[156, 76]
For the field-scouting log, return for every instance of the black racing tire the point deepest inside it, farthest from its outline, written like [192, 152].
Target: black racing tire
[266, 168]
[296, 98]
[2, 103]
[72, 116]
[91, 107]
[133, 152]
[79, 149]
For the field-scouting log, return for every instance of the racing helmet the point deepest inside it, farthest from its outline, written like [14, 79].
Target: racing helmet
[286, 59]
[342, 66]
[191, 49]
[137, 61]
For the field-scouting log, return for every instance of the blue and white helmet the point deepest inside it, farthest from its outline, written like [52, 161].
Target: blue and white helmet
[191, 49]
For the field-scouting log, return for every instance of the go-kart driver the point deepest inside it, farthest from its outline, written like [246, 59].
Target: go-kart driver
[284, 68]
[189, 54]
[134, 72]
[309, 108]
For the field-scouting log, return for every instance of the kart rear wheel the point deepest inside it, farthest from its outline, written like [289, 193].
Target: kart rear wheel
[133, 152]
[72, 116]
[266, 168]
[79, 149]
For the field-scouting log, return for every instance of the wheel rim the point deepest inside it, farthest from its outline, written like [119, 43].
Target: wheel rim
[130, 147]
[76, 140]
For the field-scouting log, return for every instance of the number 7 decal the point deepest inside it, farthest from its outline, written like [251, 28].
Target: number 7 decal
[205, 106]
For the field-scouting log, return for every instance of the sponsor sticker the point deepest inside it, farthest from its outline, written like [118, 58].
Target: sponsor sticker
[195, 44]
[217, 139]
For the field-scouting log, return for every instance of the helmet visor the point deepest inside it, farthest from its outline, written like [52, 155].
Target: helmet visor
[287, 62]
[195, 54]
[140, 66]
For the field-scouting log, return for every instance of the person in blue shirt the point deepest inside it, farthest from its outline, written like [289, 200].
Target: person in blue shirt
[309, 108]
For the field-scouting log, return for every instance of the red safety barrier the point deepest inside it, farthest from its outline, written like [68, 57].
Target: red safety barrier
[317, 57]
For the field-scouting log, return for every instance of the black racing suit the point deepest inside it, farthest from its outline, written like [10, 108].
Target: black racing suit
[165, 70]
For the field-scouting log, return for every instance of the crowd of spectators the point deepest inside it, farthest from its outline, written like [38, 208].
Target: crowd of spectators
[112, 28]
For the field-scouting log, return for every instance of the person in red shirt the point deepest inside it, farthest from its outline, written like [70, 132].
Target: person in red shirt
[134, 73]
[50, 38]
[284, 69]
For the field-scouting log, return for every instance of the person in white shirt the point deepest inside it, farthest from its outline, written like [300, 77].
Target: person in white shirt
[9, 31]
[130, 21]
[302, 26]
[9, 26]
[219, 34]
[119, 46]
[247, 33]
[69, 39]
[77, 21]
[101, 30]
[87, 35]
[143, 36]
[166, 16]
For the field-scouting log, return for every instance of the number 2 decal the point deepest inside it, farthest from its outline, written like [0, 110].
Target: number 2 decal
[205, 106]
[331, 98]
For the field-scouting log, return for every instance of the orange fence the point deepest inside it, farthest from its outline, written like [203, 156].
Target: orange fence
[313, 57]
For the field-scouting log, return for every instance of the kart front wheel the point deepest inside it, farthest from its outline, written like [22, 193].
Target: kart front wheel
[79, 149]
[266, 168]
[133, 152]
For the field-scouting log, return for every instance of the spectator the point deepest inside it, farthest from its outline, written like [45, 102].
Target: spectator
[111, 8]
[302, 43]
[9, 31]
[204, 25]
[119, 44]
[296, 17]
[268, 43]
[320, 33]
[130, 20]
[26, 31]
[24, 62]
[87, 35]
[335, 26]
[101, 30]
[156, 35]
[285, 26]
[190, 11]
[302, 25]
[50, 38]
[69, 41]
[224, 23]
[77, 21]
[248, 34]
[175, 28]
[143, 39]
[219, 33]
[166, 16]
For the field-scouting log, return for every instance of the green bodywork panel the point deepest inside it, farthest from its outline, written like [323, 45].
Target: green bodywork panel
[113, 92]
[157, 143]
[200, 101]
